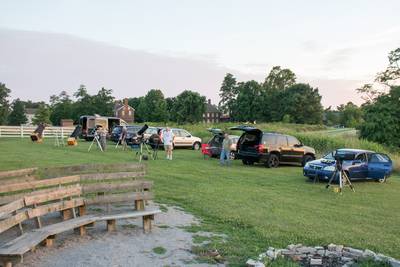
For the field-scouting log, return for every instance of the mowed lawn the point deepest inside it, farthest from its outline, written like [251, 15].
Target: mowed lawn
[255, 206]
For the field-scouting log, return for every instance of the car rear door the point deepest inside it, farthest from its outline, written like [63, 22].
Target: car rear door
[359, 167]
[379, 165]
[282, 144]
[294, 151]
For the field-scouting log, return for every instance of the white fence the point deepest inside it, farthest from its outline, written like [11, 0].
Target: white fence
[26, 131]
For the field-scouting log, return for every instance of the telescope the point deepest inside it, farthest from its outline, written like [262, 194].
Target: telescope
[138, 137]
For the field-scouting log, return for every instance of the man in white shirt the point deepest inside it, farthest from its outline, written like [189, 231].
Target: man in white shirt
[168, 140]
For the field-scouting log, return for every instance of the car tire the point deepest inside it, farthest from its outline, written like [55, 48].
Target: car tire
[273, 161]
[382, 180]
[306, 159]
[196, 146]
[244, 161]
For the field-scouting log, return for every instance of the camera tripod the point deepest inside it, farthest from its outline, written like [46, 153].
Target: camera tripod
[344, 179]
[96, 139]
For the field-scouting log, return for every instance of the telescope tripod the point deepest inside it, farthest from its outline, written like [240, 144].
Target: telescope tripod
[344, 179]
[96, 139]
[140, 152]
[58, 139]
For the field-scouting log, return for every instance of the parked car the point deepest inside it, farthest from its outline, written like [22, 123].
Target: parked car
[214, 145]
[131, 129]
[358, 164]
[185, 139]
[271, 149]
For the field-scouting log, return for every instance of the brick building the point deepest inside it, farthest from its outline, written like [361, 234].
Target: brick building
[123, 111]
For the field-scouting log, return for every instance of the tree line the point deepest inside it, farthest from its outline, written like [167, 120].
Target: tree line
[187, 107]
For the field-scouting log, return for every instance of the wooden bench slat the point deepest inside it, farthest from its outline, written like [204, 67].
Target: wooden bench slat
[58, 193]
[15, 180]
[110, 176]
[11, 207]
[127, 215]
[110, 187]
[57, 206]
[14, 173]
[9, 198]
[39, 183]
[11, 221]
[23, 243]
[115, 198]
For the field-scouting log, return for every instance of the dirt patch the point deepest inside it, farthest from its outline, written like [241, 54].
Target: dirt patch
[167, 245]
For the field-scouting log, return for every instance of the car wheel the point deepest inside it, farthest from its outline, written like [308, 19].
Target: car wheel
[306, 159]
[196, 146]
[245, 162]
[232, 155]
[382, 180]
[273, 161]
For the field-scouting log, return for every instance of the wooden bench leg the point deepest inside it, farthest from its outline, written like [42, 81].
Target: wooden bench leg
[48, 242]
[67, 214]
[111, 225]
[81, 230]
[7, 264]
[147, 223]
[139, 204]
[82, 210]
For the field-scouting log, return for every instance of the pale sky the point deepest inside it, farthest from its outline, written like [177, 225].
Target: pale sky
[333, 45]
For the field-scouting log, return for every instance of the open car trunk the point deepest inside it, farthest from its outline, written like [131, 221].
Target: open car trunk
[250, 138]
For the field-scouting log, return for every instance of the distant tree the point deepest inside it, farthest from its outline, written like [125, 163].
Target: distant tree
[248, 105]
[275, 84]
[4, 104]
[302, 103]
[18, 114]
[350, 115]
[135, 103]
[170, 103]
[228, 93]
[189, 107]
[382, 119]
[103, 102]
[279, 79]
[61, 107]
[153, 107]
[31, 104]
[331, 117]
[42, 115]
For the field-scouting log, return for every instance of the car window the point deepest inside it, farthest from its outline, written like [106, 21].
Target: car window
[374, 158]
[185, 133]
[281, 140]
[292, 140]
[248, 138]
[329, 156]
[361, 157]
[269, 139]
[178, 133]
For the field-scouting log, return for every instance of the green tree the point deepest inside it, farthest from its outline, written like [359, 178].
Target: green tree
[17, 115]
[170, 103]
[103, 102]
[302, 103]
[4, 104]
[331, 117]
[135, 103]
[153, 107]
[228, 93]
[350, 115]
[61, 107]
[382, 119]
[277, 81]
[248, 105]
[189, 107]
[42, 115]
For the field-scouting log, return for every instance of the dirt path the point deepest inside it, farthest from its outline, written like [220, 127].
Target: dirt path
[128, 246]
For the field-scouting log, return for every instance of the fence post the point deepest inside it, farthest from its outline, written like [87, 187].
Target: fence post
[22, 131]
[62, 132]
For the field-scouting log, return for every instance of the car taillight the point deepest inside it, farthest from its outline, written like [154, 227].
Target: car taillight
[260, 148]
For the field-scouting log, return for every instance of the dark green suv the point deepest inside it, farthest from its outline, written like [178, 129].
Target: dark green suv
[271, 149]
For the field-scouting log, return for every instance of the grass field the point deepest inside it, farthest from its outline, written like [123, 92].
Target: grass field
[256, 207]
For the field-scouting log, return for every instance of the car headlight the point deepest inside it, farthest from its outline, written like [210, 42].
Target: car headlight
[329, 168]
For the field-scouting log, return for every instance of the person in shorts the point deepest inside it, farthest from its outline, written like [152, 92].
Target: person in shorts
[168, 140]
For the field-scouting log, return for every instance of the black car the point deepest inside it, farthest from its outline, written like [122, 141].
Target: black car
[132, 130]
[271, 149]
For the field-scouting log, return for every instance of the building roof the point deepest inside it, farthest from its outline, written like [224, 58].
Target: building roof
[211, 108]
[31, 111]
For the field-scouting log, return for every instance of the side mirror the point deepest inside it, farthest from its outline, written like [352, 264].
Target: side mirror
[188, 135]
[298, 145]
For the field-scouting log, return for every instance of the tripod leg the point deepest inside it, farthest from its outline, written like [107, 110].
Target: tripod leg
[117, 144]
[99, 145]
[90, 147]
[347, 179]
[331, 180]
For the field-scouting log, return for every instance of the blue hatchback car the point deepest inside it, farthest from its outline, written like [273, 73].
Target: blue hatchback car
[358, 164]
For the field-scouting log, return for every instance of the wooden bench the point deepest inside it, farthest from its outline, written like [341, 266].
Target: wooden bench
[69, 195]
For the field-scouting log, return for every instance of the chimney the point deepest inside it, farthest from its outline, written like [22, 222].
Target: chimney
[209, 101]
[126, 101]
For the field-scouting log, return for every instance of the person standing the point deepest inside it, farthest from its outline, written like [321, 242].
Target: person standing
[122, 138]
[226, 150]
[103, 137]
[168, 141]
